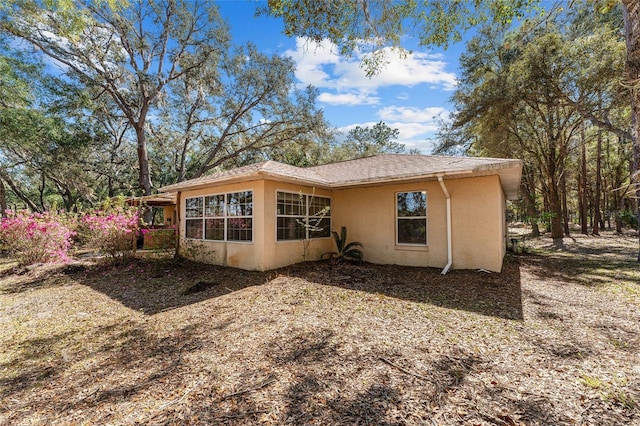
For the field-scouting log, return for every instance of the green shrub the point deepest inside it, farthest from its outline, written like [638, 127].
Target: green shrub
[345, 251]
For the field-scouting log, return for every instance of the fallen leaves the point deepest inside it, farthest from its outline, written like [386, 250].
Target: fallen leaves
[324, 344]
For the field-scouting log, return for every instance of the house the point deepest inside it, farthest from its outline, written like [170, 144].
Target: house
[166, 201]
[415, 210]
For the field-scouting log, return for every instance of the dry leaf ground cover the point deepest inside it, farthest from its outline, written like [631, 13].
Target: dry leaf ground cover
[554, 339]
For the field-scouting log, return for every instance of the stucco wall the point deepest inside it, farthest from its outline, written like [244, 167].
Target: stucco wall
[478, 228]
[245, 255]
[282, 253]
[477, 206]
[168, 212]
[369, 215]
[265, 252]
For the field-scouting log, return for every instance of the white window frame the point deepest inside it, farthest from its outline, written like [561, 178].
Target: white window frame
[225, 217]
[305, 217]
[425, 217]
[187, 218]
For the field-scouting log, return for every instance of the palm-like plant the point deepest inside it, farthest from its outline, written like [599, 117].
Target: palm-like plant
[346, 251]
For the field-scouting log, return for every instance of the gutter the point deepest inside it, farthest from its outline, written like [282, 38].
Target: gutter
[449, 250]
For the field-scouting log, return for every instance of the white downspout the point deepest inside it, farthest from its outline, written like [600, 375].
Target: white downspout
[449, 251]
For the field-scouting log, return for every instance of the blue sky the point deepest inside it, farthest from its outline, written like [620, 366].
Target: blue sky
[410, 94]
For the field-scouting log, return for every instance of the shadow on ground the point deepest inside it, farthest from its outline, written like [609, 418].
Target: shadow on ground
[492, 294]
[122, 362]
[156, 285]
[596, 269]
[153, 285]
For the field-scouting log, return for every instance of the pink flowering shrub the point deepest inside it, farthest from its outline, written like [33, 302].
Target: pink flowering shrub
[37, 237]
[111, 231]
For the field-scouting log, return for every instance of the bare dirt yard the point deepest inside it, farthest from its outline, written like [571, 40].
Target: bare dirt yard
[552, 340]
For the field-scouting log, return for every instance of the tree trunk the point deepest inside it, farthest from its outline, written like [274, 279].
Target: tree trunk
[528, 191]
[145, 174]
[565, 210]
[597, 217]
[41, 193]
[619, 201]
[30, 204]
[582, 185]
[555, 206]
[143, 161]
[3, 200]
[553, 192]
[631, 14]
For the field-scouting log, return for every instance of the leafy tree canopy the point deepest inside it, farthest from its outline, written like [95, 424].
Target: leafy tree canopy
[369, 25]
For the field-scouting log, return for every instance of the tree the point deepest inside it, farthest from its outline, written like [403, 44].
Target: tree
[631, 13]
[368, 141]
[370, 25]
[114, 53]
[39, 147]
[378, 23]
[520, 94]
[233, 111]
[44, 150]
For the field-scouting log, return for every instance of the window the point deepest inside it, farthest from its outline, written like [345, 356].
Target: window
[214, 221]
[411, 217]
[221, 217]
[301, 216]
[239, 216]
[194, 217]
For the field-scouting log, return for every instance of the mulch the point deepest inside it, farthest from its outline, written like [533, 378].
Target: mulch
[553, 339]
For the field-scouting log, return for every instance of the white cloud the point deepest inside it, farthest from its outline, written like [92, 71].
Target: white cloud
[413, 114]
[348, 99]
[321, 66]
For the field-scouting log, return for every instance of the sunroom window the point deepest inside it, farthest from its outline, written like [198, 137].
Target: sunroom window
[220, 217]
[302, 216]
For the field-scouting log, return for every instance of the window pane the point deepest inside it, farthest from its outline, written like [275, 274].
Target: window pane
[194, 207]
[319, 206]
[240, 203]
[412, 231]
[319, 228]
[214, 229]
[412, 204]
[214, 206]
[291, 204]
[239, 229]
[194, 228]
[290, 228]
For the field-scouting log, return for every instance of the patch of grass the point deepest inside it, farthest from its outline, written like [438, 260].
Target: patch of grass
[612, 393]
[619, 344]
[620, 397]
[629, 288]
[591, 381]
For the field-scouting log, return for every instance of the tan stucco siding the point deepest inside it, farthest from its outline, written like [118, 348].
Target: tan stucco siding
[505, 229]
[477, 206]
[168, 212]
[244, 255]
[370, 217]
[282, 253]
[369, 213]
[265, 252]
